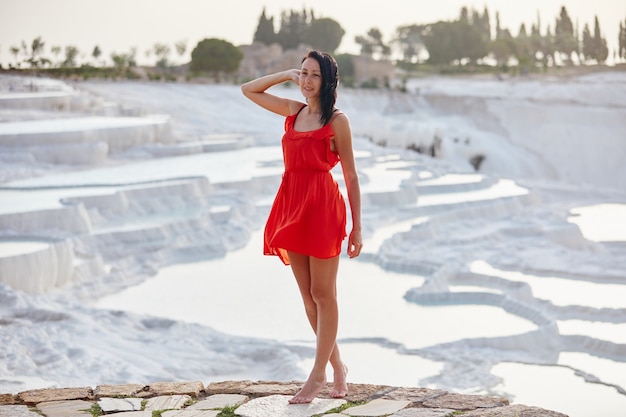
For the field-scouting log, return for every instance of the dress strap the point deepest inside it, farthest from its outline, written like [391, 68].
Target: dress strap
[291, 119]
[301, 108]
[336, 113]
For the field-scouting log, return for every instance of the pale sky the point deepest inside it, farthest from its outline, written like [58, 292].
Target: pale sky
[118, 25]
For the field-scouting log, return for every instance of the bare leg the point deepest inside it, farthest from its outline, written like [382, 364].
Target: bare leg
[317, 282]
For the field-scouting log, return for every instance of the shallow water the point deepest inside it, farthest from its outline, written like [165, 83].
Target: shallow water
[558, 388]
[224, 289]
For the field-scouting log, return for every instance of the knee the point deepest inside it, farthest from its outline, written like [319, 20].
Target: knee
[323, 296]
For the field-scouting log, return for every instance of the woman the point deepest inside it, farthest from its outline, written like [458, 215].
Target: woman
[307, 222]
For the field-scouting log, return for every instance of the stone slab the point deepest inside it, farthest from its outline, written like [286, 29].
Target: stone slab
[272, 389]
[116, 405]
[367, 392]
[134, 414]
[425, 412]
[167, 402]
[463, 402]
[377, 407]
[227, 387]
[124, 390]
[278, 406]
[69, 408]
[16, 411]
[191, 413]
[177, 388]
[55, 394]
[7, 399]
[515, 411]
[415, 395]
[219, 401]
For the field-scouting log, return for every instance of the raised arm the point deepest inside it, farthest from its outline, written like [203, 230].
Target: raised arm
[343, 143]
[255, 90]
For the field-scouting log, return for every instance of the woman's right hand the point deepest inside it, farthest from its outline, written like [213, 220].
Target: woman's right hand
[295, 75]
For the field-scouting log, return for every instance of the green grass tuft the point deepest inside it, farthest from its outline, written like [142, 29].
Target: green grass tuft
[95, 410]
[228, 412]
[341, 408]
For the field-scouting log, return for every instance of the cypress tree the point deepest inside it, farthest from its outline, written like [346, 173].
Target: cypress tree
[588, 43]
[265, 30]
[600, 49]
[622, 40]
[564, 37]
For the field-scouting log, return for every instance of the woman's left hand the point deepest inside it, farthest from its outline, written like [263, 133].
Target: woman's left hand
[355, 243]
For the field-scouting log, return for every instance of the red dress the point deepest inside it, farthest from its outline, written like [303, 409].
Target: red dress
[308, 215]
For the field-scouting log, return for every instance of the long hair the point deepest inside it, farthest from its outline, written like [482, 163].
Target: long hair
[330, 80]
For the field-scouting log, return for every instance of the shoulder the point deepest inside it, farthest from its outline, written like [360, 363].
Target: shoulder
[295, 107]
[340, 122]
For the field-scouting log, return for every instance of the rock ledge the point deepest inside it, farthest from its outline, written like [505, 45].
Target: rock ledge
[415, 402]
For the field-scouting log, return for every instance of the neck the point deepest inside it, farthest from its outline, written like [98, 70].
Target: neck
[314, 106]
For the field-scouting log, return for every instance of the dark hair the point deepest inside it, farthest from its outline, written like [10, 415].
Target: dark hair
[330, 79]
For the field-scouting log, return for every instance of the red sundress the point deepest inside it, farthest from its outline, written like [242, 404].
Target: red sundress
[308, 215]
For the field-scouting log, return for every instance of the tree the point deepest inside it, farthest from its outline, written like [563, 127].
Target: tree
[56, 51]
[120, 61]
[549, 44]
[588, 43]
[453, 41]
[483, 23]
[600, 49]
[523, 48]
[498, 27]
[367, 47]
[215, 56]
[502, 50]
[15, 51]
[472, 44]
[324, 34]
[373, 43]
[162, 51]
[132, 57]
[181, 47]
[410, 43]
[71, 52]
[503, 46]
[464, 15]
[345, 63]
[96, 53]
[265, 30]
[564, 23]
[37, 46]
[565, 39]
[621, 52]
[293, 25]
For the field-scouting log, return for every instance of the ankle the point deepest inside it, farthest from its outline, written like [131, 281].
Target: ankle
[340, 368]
[318, 375]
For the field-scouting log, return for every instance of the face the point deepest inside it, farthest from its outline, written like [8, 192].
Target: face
[310, 78]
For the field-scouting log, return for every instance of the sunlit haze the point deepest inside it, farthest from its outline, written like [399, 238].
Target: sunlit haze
[119, 25]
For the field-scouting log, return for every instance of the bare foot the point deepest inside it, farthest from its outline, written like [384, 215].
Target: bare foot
[340, 384]
[309, 391]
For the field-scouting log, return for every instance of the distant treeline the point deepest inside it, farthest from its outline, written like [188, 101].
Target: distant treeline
[468, 41]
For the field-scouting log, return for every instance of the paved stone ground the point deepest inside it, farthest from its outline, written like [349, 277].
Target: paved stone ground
[254, 399]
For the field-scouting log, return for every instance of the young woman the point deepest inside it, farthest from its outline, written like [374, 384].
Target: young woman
[307, 222]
